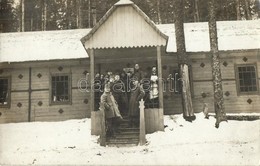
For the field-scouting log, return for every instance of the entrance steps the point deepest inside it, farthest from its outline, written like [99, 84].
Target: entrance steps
[126, 136]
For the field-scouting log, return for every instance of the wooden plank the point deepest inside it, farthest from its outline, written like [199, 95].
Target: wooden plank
[142, 124]
[156, 119]
[161, 119]
[92, 76]
[147, 123]
[159, 65]
[102, 124]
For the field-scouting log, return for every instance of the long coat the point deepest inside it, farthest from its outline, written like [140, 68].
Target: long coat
[108, 102]
[136, 95]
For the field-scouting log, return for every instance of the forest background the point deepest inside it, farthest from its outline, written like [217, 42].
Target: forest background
[42, 15]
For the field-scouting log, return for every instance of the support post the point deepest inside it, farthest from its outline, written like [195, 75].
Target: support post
[92, 100]
[92, 75]
[30, 95]
[159, 64]
[103, 127]
[142, 123]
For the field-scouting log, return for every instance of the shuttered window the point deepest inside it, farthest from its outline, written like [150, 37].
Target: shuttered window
[4, 92]
[247, 79]
[60, 89]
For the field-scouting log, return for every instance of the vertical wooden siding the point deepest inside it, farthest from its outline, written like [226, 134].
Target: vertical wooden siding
[125, 27]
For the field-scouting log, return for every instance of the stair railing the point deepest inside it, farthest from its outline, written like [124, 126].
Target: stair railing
[103, 125]
[142, 140]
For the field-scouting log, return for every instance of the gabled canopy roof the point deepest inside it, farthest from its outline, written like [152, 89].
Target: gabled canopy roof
[124, 26]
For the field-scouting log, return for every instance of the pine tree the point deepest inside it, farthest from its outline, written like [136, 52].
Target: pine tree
[215, 60]
[183, 61]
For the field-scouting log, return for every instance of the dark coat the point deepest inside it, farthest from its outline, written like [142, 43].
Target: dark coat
[108, 102]
[136, 95]
[138, 74]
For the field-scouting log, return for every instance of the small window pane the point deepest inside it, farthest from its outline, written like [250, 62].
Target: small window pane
[60, 89]
[247, 78]
[4, 92]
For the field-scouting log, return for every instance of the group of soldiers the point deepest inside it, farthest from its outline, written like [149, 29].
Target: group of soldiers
[120, 95]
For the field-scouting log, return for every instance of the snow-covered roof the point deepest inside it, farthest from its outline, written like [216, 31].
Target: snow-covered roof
[43, 45]
[232, 35]
[66, 44]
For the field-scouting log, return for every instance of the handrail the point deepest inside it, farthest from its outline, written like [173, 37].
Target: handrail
[103, 125]
[142, 140]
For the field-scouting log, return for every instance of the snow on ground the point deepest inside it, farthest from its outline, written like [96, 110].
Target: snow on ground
[182, 143]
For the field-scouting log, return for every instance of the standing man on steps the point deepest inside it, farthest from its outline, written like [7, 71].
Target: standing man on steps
[112, 113]
[137, 93]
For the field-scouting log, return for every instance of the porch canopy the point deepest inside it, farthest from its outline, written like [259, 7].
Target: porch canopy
[125, 33]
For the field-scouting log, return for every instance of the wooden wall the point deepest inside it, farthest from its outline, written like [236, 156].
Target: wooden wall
[201, 79]
[233, 101]
[41, 109]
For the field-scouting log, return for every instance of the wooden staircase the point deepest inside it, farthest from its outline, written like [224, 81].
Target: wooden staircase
[127, 135]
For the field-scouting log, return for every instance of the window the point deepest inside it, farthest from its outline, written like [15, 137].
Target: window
[247, 79]
[60, 89]
[4, 92]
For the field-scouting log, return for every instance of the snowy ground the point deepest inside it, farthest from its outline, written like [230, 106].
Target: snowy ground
[182, 143]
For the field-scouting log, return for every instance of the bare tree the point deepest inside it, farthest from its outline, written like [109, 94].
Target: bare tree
[79, 14]
[238, 10]
[247, 10]
[215, 60]
[22, 16]
[183, 61]
[196, 11]
[44, 14]
[159, 12]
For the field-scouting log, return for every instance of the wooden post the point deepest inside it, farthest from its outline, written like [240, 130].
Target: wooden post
[30, 95]
[103, 127]
[92, 100]
[159, 64]
[142, 123]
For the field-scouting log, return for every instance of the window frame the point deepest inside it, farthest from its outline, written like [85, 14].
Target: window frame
[69, 102]
[8, 105]
[239, 93]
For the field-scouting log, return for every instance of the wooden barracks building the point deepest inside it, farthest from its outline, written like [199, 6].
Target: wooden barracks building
[41, 72]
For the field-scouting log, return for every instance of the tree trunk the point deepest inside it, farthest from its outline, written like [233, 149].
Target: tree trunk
[79, 15]
[183, 60]
[44, 15]
[238, 10]
[247, 10]
[22, 16]
[196, 11]
[94, 12]
[159, 12]
[257, 7]
[89, 14]
[216, 72]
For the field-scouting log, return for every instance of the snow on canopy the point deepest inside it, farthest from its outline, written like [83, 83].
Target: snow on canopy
[43, 45]
[66, 44]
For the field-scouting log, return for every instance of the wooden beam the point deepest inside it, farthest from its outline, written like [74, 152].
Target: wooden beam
[142, 140]
[92, 76]
[30, 95]
[159, 65]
